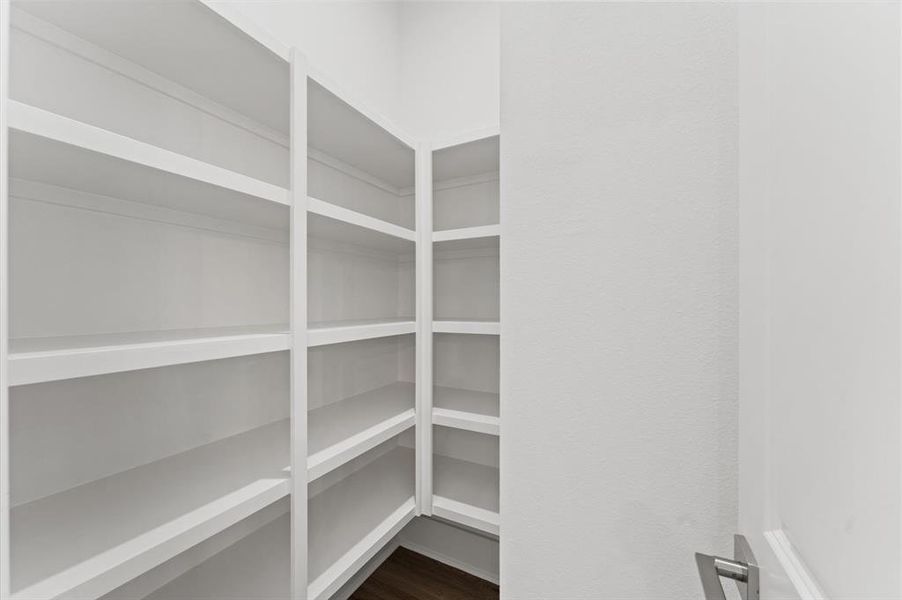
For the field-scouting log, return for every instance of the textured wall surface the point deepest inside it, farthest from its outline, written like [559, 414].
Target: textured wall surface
[820, 290]
[619, 297]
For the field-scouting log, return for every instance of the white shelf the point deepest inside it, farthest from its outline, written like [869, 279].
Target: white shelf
[340, 130]
[466, 409]
[468, 159]
[56, 150]
[466, 514]
[35, 360]
[88, 540]
[336, 332]
[467, 233]
[466, 137]
[466, 244]
[466, 493]
[344, 430]
[352, 520]
[470, 327]
[465, 420]
[256, 566]
[206, 51]
[335, 223]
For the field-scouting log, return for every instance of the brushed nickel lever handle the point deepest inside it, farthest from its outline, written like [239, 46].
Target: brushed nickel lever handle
[743, 569]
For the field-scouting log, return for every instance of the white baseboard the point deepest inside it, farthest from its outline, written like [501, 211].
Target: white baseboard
[451, 562]
[804, 583]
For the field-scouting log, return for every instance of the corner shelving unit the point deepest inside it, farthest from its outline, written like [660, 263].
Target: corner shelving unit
[221, 375]
[460, 448]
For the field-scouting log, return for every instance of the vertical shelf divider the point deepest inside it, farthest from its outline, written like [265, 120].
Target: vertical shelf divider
[298, 316]
[5, 497]
[424, 328]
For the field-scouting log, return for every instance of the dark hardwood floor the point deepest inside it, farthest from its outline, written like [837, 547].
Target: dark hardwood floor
[406, 575]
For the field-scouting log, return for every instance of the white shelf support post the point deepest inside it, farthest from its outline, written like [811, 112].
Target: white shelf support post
[423, 190]
[5, 590]
[298, 316]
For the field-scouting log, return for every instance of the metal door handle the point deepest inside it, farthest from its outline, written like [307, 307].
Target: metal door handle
[743, 569]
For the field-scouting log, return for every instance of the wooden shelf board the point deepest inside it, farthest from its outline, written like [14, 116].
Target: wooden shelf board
[466, 420]
[466, 514]
[336, 332]
[256, 566]
[477, 327]
[35, 360]
[344, 430]
[212, 52]
[344, 132]
[467, 233]
[86, 541]
[60, 151]
[331, 222]
[458, 484]
[470, 401]
[352, 520]
[466, 409]
[467, 158]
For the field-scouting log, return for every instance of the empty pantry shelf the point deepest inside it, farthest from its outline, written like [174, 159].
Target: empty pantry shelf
[35, 360]
[65, 153]
[335, 223]
[264, 573]
[88, 540]
[352, 520]
[477, 327]
[466, 409]
[466, 493]
[343, 430]
[467, 233]
[239, 71]
[336, 332]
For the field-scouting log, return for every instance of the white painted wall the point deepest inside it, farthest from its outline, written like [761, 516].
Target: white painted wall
[449, 66]
[432, 67]
[356, 43]
[619, 297]
[820, 401]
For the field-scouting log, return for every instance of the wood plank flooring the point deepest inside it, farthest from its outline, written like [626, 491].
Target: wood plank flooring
[406, 575]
